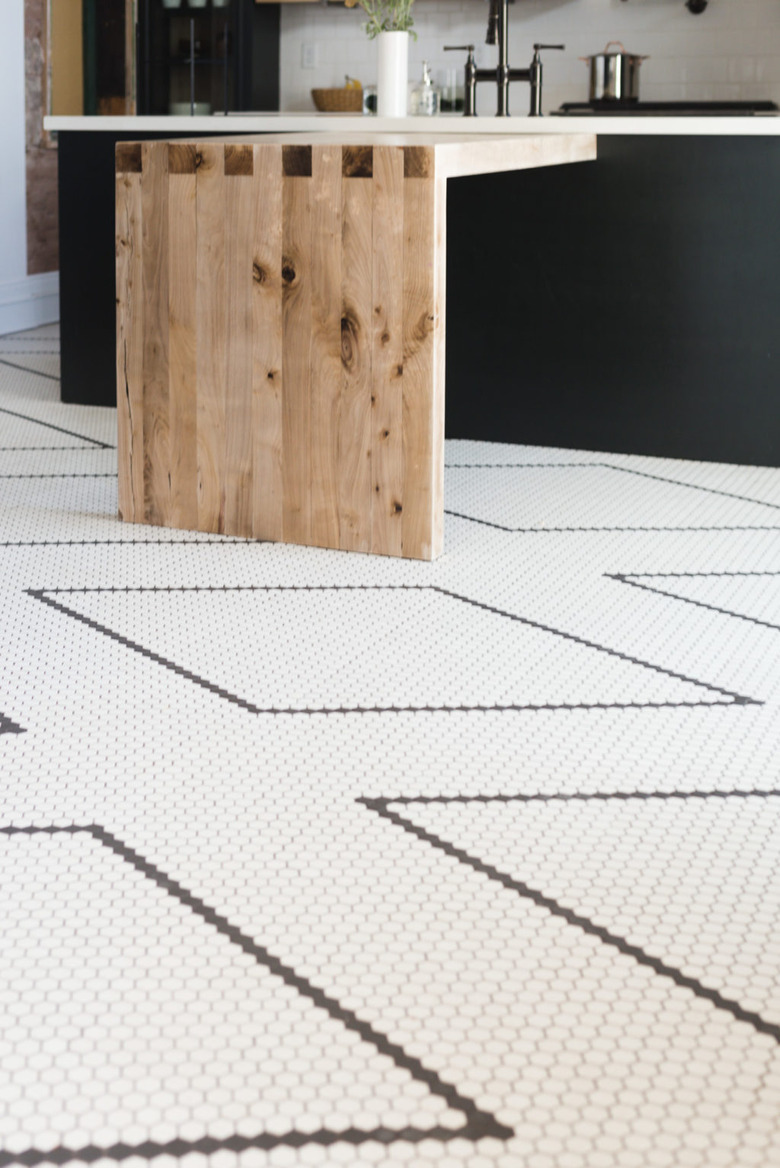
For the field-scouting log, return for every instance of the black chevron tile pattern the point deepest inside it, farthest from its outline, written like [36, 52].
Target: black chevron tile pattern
[8, 726]
[748, 596]
[309, 858]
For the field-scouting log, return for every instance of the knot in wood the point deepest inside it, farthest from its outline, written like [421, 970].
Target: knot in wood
[350, 331]
[423, 327]
[288, 271]
[259, 274]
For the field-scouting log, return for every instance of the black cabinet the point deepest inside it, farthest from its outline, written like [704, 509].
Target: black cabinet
[207, 58]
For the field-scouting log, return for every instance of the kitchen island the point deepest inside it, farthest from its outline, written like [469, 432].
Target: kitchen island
[630, 306]
[281, 331]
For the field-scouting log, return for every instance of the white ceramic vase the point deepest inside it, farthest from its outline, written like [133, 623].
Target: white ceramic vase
[392, 77]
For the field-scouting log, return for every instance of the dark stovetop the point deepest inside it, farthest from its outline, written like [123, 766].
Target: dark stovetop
[665, 108]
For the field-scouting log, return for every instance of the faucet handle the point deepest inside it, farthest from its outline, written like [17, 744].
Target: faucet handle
[537, 60]
[470, 87]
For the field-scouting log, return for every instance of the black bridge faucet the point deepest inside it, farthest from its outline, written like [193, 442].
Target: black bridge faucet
[498, 31]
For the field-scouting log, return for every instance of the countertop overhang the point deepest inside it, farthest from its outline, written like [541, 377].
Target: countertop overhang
[265, 123]
[450, 155]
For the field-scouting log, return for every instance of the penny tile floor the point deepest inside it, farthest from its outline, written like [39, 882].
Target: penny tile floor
[309, 858]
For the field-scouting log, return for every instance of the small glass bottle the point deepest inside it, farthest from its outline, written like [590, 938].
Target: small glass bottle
[425, 99]
[452, 91]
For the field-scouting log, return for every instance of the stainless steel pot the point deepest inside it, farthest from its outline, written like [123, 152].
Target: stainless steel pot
[614, 76]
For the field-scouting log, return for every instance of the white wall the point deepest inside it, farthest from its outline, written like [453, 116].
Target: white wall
[24, 300]
[731, 51]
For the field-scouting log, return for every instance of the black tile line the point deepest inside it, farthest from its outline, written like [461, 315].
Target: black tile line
[26, 369]
[59, 429]
[695, 575]
[219, 541]
[514, 465]
[6, 449]
[33, 329]
[694, 486]
[28, 352]
[69, 475]
[574, 530]
[753, 620]
[585, 797]
[585, 924]
[7, 726]
[610, 466]
[265, 1142]
[478, 1124]
[45, 596]
[737, 698]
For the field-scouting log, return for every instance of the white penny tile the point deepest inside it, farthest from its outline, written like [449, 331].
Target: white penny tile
[309, 858]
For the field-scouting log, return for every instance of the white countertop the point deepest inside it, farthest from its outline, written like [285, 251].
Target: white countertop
[749, 126]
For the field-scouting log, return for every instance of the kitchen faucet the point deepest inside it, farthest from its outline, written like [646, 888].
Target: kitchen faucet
[498, 32]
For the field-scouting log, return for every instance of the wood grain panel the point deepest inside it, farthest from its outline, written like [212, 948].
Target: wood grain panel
[418, 379]
[129, 333]
[280, 324]
[238, 396]
[387, 450]
[267, 371]
[182, 381]
[354, 419]
[212, 338]
[296, 358]
[157, 488]
[439, 264]
[326, 373]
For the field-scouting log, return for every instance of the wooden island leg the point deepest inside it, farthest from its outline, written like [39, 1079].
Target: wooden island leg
[280, 367]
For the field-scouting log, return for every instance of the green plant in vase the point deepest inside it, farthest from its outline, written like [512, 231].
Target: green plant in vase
[386, 16]
[390, 25]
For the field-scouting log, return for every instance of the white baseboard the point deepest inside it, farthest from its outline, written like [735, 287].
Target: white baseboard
[29, 302]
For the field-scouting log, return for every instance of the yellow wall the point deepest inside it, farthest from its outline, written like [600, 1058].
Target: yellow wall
[65, 48]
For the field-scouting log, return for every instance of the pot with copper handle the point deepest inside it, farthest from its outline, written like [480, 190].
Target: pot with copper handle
[614, 74]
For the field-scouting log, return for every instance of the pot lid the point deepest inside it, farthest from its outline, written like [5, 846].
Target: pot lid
[619, 51]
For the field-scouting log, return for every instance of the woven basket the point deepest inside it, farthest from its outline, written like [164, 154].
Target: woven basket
[338, 100]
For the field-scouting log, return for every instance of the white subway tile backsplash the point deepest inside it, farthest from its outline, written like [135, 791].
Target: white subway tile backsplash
[731, 51]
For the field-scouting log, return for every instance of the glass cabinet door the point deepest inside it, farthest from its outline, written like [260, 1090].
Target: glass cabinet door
[188, 51]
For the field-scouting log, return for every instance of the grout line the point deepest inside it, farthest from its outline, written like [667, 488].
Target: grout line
[59, 429]
[41, 595]
[585, 924]
[479, 1123]
[26, 369]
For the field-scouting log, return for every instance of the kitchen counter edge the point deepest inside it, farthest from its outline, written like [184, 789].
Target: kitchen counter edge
[752, 126]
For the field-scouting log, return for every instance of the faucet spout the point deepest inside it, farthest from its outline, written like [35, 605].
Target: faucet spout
[493, 22]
